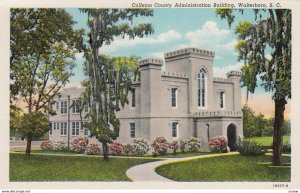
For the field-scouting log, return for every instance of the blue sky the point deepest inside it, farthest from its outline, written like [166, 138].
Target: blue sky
[180, 28]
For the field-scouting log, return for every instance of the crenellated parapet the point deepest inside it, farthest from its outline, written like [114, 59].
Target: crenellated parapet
[187, 52]
[217, 114]
[234, 74]
[152, 61]
[174, 74]
[222, 80]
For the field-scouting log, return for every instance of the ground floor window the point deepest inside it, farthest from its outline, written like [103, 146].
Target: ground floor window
[75, 128]
[132, 130]
[50, 130]
[174, 129]
[63, 128]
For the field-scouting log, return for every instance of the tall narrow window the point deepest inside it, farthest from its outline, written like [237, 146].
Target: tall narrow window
[86, 108]
[222, 100]
[50, 130]
[201, 88]
[63, 107]
[133, 97]
[75, 128]
[132, 130]
[63, 128]
[174, 129]
[174, 97]
[75, 109]
[57, 106]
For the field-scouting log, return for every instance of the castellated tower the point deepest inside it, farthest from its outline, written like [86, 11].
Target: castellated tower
[191, 61]
[235, 76]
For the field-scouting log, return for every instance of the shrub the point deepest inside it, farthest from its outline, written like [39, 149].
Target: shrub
[182, 145]
[93, 148]
[61, 146]
[193, 144]
[160, 145]
[116, 148]
[286, 148]
[79, 144]
[174, 146]
[140, 146]
[248, 147]
[128, 149]
[47, 145]
[218, 144]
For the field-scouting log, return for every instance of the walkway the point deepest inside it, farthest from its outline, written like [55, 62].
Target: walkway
[146, 172]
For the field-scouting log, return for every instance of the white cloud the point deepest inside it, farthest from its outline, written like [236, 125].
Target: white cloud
[221, 71]
[168, 36]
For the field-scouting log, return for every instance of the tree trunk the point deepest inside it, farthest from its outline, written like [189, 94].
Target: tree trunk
[28, 146]
[105, 151]
[277, 135]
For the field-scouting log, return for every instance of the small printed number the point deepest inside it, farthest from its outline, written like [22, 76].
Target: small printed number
[280, 185]
[293, 191]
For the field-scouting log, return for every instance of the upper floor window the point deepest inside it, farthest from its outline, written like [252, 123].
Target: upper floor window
[201, 91]
[174, 129]
[222, 99]
[174, 97]
[57, 106]
[133, 97]
[132, 130]
[86, 108]
[63, 107]
[75, 109]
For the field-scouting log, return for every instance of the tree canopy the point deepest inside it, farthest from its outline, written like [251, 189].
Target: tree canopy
[110, 79]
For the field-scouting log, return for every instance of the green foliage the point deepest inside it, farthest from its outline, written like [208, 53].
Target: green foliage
[236, 168]
[69, 168]
[267, 141]
[248, 147]
[33, 125]
[286, 148]
[109, 79]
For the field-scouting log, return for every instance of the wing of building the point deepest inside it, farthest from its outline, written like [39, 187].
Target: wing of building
[183, 100]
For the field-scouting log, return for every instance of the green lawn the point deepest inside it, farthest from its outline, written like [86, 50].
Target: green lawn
[69, 168]
[267, 141]
[226, 168]
[185, 154]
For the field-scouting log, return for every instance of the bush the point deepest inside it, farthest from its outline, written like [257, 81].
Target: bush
[160, 145]
[128, 149]
[93, 148]
[286, 148]
[174, 146]
[47, 145]
[116, 148]
[193, 144]
[248, 147]
[218, 144]
[60, 146]
[140, 146]
[182, 145]
[79, 144]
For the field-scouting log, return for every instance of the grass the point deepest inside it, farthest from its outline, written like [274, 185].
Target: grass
[267, 141]
[226, 168]
[184, 154]
[69, 168]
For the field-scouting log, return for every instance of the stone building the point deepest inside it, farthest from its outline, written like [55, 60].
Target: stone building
[181, 101]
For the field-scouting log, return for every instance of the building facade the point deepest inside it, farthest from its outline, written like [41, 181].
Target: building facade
[183, 100]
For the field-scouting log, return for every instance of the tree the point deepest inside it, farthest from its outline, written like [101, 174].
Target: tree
[270, 34]
[108, 83]
[43, 44]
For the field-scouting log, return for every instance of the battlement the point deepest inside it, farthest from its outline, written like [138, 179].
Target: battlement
[187, 51]
[218, 114]
[150, 61]
[174, 74]
[234, 73]
[217, 79]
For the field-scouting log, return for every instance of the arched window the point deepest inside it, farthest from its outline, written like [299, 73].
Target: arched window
[201, 91]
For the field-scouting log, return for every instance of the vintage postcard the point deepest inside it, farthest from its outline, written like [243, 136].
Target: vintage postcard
[149, 95]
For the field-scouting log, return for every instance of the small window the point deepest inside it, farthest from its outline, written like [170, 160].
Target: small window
[132, 130]
[133, 97]
[86, 108]
[75, 108]
[57, 106]
[174, 97]
[222, 100]
[63, 107]
[86, 131]
[174, 129]
[75, 128]
[63, 128]
[50, 130]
